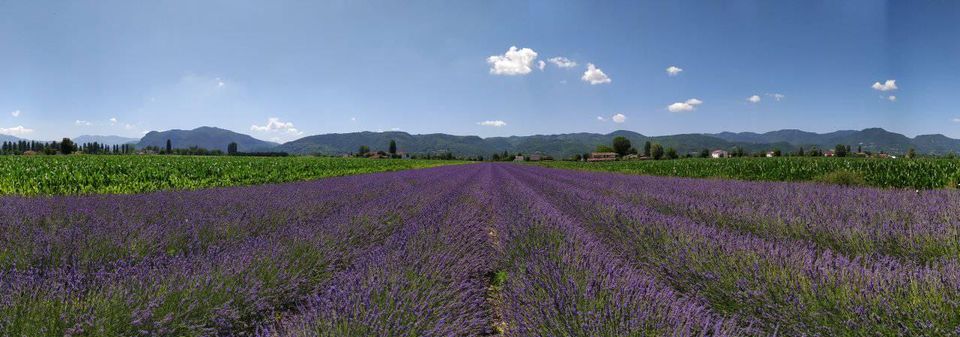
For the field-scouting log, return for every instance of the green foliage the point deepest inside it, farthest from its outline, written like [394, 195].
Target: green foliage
[604, 148]
[54, 175]
[841, 150]
[621, 145]
[656, 151]
[916, 173]
[671, 153]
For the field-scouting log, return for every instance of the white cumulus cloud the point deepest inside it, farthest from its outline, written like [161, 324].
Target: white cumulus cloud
[15, 113]
[885, 86]
[276, 125]
[541, 65]
[754, 99]
[18, 130]
[892, 98]
[562, 62]
[496, 123]
[674, 70]
[514, 62]
[594, 75]
[688, 105]
[619, 118]
[82, 123]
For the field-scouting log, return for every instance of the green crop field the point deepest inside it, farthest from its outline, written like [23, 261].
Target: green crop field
[58, 175]
[911, 173]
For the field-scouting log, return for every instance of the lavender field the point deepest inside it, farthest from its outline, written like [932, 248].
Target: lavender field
[485, 249]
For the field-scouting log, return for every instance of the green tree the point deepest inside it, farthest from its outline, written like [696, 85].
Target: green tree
[364, 150]
[169, 147]
[621, 145]
[776, 152]
[912, 153]
[67, 146]
[840, 150]
[393, 147]
[232, 148]
[704, 153]
[646, 149]
[671, 153]
[656, 151]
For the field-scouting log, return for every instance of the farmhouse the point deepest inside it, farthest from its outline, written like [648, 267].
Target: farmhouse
[602, 156]
[771, 154]
[518, 158]
[829, 153]
[536, 157]
[719, 154]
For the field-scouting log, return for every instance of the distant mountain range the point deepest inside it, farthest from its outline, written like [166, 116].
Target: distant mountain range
[108, 140]
[559, 145]
[206, 137]
[873, 139]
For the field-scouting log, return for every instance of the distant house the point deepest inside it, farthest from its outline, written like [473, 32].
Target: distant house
[770, 154]
[602, 156]
[631, 157]
[536, 157]
[518, 158]
[719, 154]
[829, 153]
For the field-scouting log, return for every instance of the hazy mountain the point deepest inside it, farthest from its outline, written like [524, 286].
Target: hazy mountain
[109, 140]
[206, 137]
[8, 138]
[559, 145]
[872, 139]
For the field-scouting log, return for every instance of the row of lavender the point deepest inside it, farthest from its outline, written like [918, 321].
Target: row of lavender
[779, 279]
[231, 261]
[483, 249]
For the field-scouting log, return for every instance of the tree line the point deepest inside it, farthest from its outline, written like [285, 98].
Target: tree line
[65, 146]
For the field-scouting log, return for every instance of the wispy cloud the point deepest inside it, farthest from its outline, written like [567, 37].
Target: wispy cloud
[82, 123]
[674, 70]
[885, 86]
[688, 105]
[15, 113]
[892, 98]
[275, 125]
[562, 62]
[495, 123]
[514, 62]
[18, 130]
[776, 96]
[754, 99]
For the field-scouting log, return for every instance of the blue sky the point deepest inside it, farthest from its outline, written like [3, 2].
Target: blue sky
[283, 69]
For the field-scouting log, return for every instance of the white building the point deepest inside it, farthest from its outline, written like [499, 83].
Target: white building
[719, 154]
